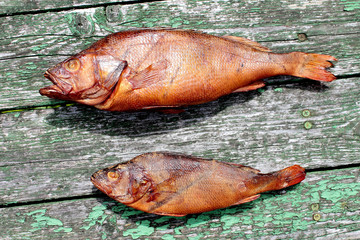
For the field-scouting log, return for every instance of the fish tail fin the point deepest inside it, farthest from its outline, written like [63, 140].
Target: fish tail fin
[281, 179]
[313, 66]
[289, 176]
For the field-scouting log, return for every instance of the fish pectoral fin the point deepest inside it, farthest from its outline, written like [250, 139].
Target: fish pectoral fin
[248, 42]
[152, 75]
[113, 77]
[248, 199]
[253, 86]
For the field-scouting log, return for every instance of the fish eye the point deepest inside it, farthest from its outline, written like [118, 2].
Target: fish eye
[72, 65]
[113, 175]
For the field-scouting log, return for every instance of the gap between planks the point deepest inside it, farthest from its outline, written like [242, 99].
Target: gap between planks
[79, 7]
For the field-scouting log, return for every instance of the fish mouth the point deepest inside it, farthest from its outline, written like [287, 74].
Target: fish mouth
[59, 90]
[97, 180]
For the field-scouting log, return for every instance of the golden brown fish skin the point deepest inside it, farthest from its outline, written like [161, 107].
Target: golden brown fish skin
[171, 68]
[177, 185]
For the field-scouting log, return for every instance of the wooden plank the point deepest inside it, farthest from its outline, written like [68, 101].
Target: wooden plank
[48, 152]
[22, 78]
[24, 57]
[21, 7]
[252, 18]
[56, 150]
[326, 205]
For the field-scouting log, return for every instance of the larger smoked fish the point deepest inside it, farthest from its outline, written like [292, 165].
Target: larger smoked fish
[159, 68]
[176, 185]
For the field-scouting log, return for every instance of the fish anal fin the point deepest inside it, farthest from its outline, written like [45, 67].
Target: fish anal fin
[248, 199]
[248, 42]
[253, 86]
[153, 74]
[169, 214]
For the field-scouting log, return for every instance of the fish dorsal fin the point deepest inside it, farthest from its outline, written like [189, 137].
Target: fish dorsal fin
[153, 74]
[248, 199]
[245, 168]
[248, 42]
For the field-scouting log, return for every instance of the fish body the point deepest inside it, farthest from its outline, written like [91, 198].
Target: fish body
[176, 185]
[160, 68]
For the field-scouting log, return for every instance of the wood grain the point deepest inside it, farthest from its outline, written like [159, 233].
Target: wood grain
[18, 7]
[28, 46]
[265, 130]
[49, 148]
[332, 197]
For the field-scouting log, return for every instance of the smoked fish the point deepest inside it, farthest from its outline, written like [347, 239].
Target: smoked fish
[167, 68]
[176, 185]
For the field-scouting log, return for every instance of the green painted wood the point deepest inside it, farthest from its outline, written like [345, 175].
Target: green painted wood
[286, 17]
[20, 7]
[296, 123]
[48, 151]
[324, 206]
[28, 46]
[22, 78]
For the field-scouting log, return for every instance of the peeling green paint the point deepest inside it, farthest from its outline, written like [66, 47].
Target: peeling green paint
[331, 194]
[101, 21]
[163, 227]
[63, 229]
[143, 229]
[177, 230]
[42, 221]
[113, 219]
[229, 221]
[93, 218]
[17, 111]
[130, 212]
[200, 220]
[167, 237]
[38, 48]
[215, 225]
[163, 219]
[5, 169]
[350, 5]
[197, 237]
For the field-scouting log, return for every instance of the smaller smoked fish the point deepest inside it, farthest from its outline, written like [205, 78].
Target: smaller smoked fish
[176, 185]
[164, 68]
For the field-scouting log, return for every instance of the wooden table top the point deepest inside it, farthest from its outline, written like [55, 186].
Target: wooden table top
[50, 148]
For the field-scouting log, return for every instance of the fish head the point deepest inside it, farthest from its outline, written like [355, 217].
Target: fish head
[122, 183]
[88, 78]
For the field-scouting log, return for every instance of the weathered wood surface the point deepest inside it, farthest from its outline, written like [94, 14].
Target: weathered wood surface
[324, 206]
[265, 130]
[16, 7]
[54, 36]
[49, 148]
